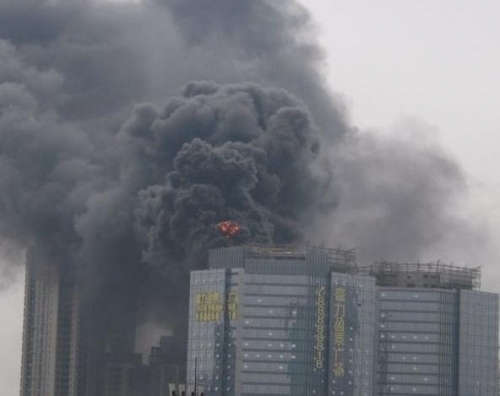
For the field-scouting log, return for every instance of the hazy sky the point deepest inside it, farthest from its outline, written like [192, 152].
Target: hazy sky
[437, 61]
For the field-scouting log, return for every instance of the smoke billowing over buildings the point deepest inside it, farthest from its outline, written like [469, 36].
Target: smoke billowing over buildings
[129, 131]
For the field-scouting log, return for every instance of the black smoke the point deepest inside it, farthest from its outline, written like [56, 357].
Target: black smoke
[218, 152]
[97, 163]
[237, 152]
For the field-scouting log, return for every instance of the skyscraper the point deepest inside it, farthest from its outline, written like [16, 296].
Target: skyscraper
[277, 321]
[267, 321]
[52, 354]
[437, 335]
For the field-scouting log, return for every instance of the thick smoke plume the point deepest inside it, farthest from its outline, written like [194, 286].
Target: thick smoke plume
[236, 152]
[94, 167]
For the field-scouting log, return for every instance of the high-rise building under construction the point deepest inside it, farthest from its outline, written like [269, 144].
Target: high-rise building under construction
[277, 321]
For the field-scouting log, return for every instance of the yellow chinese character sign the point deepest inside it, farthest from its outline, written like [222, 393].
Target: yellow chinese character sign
[339, 331]
[232, 306]
[319, 345]
[209, 306]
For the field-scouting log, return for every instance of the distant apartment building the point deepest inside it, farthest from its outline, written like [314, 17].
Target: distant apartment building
[164, 367]
[281, 321]
[68, 350]
[52, 356]
[73, 339]
[124, 375]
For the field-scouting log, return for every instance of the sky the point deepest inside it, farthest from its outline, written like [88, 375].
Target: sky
[435, 62]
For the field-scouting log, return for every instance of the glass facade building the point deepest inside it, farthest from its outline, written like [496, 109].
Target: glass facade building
[278, 322]
[417, 346]
[437, 334]
[275, 321]
[437, 342]
[478, 344]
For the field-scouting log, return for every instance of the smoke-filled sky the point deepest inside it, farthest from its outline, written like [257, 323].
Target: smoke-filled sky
[128, 130]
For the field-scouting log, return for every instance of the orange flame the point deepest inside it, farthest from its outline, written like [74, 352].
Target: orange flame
[229, 228]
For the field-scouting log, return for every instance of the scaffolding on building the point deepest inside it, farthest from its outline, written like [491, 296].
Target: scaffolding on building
[342, 260]
[432, 275]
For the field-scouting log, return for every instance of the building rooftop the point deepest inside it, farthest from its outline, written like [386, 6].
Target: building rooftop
[248, 256]
[433, 275]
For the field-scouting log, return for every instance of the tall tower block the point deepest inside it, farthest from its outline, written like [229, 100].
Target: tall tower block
[51, 356]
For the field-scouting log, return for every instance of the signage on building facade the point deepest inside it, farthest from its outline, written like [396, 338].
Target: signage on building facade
[339, 332]
[209, 307]
[319, 346]
[232, 306]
